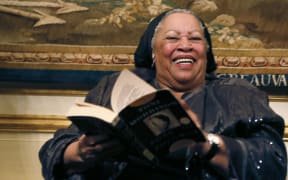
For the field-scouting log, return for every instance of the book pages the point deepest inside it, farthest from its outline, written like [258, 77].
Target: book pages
[127, 89]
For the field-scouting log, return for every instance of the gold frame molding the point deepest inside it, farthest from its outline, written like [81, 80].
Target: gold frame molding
[32, 123]
[103, 58]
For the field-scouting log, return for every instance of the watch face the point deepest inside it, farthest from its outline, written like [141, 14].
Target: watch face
[213, 139]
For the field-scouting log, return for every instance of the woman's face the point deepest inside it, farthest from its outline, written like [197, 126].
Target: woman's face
[180, 52]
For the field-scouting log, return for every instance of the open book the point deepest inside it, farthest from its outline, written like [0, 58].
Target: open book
[149, 120]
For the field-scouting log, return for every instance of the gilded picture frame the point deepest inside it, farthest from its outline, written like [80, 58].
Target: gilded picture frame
[60, 41]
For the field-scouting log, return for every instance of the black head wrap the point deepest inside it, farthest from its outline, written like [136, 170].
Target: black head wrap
[143, 53]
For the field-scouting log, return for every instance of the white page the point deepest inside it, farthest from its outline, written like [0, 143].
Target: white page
[127, 89]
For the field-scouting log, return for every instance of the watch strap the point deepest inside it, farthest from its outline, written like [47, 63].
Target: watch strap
[211, 153]
[213, 149]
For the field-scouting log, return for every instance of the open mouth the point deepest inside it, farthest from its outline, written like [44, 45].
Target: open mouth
[184, 61]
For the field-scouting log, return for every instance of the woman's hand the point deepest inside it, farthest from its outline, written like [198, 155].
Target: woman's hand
[90, 150]
[180, 150]
[99, 147]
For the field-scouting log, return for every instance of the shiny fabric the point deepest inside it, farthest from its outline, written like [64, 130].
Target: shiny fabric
[231, 108]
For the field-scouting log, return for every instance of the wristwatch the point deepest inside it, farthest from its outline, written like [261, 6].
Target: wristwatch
[214, 141]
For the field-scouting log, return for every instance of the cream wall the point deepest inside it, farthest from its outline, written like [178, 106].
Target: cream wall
[19, 155]
[19, 151]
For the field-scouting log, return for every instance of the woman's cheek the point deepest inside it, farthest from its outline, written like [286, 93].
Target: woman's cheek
[168, 50]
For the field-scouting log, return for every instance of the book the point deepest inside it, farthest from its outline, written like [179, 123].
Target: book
[148, 120]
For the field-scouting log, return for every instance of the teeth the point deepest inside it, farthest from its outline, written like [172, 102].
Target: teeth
[190, 61]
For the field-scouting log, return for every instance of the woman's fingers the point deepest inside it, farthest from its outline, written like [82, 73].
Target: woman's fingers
[91, 140]
[97, 147]
[112, 149]
[192, 115]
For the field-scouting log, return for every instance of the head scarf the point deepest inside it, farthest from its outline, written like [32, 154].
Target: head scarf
[143, 53]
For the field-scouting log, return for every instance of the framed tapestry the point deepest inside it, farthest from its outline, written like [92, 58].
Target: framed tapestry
[73, 43]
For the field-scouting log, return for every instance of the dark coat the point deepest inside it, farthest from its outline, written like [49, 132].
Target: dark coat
[232, 108]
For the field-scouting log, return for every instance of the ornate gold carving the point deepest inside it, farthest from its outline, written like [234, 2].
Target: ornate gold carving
[230, 61]
[117, 57]
[95, 59]
[259, 62]
[5, 56]
[66, 58]
[283, 61]
[250, 61]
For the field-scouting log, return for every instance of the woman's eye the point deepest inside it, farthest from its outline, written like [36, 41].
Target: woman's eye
[195, 38]
[172, 38]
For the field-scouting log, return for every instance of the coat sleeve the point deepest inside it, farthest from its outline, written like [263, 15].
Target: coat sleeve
[51, 153]
[254, 137]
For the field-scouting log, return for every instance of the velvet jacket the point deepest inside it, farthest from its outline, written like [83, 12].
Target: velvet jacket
[232, 108]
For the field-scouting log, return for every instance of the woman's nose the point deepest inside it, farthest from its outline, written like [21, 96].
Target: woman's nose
[185, 45]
